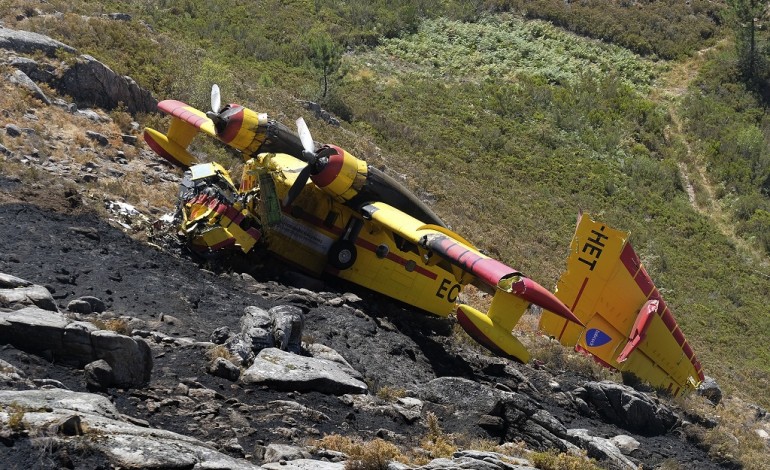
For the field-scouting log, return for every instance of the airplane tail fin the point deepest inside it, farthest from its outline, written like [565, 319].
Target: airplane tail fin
[628, 326]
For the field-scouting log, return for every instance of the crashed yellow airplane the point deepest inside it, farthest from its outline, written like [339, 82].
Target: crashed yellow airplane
[326, 211]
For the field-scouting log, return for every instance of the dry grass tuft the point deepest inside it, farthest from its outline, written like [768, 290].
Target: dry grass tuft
[556, 357]
[553, 460]
[436, 442]
[734, 440]
[118, 325]
[16, 417]
[390, 394]
[220, 351]
[372, 455]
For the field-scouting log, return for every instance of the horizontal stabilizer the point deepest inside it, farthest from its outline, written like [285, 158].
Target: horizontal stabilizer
[628, 326]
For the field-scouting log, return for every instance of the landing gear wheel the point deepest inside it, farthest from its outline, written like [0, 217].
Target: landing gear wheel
[342, 254]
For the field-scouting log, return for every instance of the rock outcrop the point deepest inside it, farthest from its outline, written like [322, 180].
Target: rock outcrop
[628, 408]
[27, 42]
[77, 343]
[89, 82]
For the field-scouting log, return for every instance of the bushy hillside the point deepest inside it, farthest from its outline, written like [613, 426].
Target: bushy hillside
[508, 127]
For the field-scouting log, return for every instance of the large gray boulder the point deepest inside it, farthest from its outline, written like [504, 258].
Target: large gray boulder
[91, 83]
[628, 408]
[130, 359]
[280, 327]
[56, 415]
[55, 337]
[22, 296]
[27, 42]
[282, 370]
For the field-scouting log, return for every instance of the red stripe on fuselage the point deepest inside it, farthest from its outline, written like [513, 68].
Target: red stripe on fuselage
[367, 245]
[574, 304]
[396, 259]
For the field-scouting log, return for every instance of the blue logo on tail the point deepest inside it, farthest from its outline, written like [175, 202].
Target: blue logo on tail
[596, 337]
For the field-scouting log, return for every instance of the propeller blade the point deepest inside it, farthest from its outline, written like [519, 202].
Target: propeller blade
[216, 98]
[298, 185]
[305, 137]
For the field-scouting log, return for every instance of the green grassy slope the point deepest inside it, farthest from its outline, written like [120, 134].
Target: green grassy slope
[507, 127]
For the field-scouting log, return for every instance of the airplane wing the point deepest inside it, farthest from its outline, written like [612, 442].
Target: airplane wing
[513, 292]
[628, 326]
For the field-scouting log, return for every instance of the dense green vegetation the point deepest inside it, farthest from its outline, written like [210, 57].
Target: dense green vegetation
[508, 127]
[669, 29]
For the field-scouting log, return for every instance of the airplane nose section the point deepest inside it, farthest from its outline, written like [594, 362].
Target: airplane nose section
[531, 291]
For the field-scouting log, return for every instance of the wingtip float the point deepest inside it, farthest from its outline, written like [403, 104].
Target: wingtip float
[326, 211]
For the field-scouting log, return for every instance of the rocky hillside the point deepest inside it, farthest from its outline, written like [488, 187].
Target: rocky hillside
[117, 351]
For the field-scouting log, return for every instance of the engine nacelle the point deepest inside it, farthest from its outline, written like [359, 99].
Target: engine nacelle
[343, 176]
[242, 128]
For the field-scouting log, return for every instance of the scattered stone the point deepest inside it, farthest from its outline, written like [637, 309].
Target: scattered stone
[11, 282]
[123, 444]
[221, 367]
[240, 346]
[289, 322]
[49, 383]
[9, 372]
[279, 452]
[20, 78]
[90, 114]
[710, 389]
[101, 139]
[625, 444]
[25, 296]
[129, 139]
[119, 16]
[320, 351]
[601, 449]
[12, 130]
[220, 335]
[52, 335]
[98, 375]
[97, 304]
[304, 464]
[91, 83]
[628, 408]
[79, 306]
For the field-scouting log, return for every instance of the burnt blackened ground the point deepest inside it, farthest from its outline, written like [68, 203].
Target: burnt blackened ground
[47, 236]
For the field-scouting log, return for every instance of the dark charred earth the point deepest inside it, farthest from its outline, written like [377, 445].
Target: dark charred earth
[174, 305]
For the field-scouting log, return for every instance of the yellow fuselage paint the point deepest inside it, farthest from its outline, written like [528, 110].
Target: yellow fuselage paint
[316, 220]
